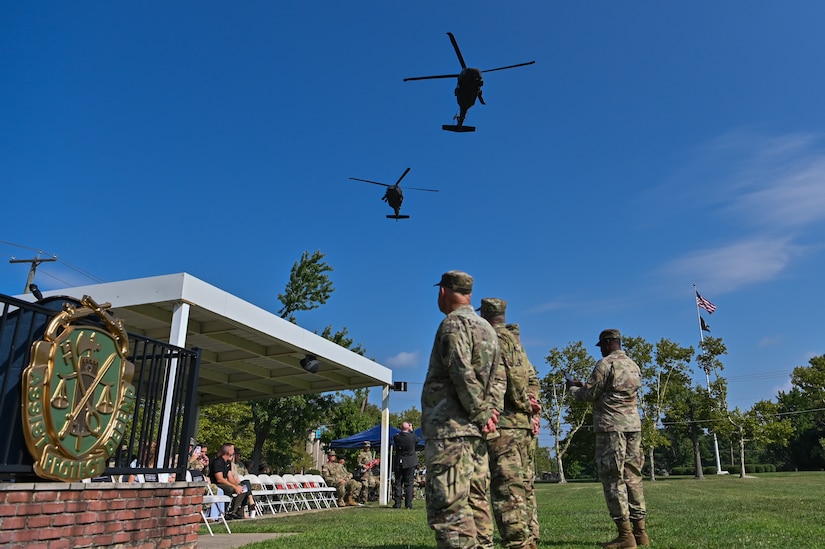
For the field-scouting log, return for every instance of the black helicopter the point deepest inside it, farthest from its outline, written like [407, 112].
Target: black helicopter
[467, 90]
[394, 195]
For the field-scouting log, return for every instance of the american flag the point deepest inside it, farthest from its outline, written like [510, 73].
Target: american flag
[705, 304]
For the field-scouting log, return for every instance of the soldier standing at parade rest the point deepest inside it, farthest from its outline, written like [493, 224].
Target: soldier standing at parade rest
[613, 388]
[459, 407]
[535, 419]
[509, 453]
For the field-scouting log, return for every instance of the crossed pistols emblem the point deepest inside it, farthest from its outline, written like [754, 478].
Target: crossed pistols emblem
[78, 398]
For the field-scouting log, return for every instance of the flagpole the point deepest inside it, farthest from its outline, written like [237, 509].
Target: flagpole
[707, 380]
[698, 314]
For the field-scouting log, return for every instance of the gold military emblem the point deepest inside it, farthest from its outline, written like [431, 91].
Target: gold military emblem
[78, 398]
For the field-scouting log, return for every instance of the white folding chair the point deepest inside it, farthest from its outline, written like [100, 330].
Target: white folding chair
[209, 499]
[327, 492]
[300, 492]
[310, 489]
[282, 497]
[261, 494]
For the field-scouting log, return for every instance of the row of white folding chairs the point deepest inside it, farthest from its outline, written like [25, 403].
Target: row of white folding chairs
[290, 492]
[272, 492]
[325, 494]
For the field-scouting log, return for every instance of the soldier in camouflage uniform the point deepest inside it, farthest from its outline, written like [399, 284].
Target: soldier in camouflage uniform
[459, 406]
[509, 453]
[533, 388]
[336, 475]
[366, 462]
[613, 387]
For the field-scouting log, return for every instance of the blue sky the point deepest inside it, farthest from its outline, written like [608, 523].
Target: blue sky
[653, 146]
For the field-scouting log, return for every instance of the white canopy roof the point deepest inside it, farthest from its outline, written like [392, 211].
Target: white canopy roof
[247, 353]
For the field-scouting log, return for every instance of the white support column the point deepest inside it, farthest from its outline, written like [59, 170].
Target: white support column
[177, 336]
[383, 487]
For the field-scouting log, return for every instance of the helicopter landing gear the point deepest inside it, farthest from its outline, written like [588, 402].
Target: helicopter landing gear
[460, 127]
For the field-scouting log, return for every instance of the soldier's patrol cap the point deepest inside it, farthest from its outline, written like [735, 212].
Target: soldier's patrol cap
[607, 335]
[331, 453]
[492, 306]
[457, 281]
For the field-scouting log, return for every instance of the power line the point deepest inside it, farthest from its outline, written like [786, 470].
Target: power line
[777, 414]
[62, 261]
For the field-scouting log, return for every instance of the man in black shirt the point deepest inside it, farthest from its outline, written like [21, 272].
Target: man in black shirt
[219, 470]
[405, 462]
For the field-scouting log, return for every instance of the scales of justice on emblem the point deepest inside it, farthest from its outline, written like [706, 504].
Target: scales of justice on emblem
[78, 397]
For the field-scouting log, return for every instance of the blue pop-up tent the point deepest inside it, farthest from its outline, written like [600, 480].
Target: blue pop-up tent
[373, 435]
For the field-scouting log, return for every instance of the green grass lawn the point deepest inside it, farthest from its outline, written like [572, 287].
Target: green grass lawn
[773, 510]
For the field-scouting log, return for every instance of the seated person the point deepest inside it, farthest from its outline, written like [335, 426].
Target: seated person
[239, 470]
[367, 472]
[220, 470]
[336, 475]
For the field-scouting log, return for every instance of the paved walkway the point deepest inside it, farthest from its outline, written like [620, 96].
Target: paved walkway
[231, 541]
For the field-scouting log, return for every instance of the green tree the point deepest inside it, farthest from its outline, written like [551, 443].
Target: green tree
[804, 404]
[351, 414]
[308, 287]
[762, 425]
[229, 422]
[668, 369]
[411, 415]
[562, 413]
[284, 423]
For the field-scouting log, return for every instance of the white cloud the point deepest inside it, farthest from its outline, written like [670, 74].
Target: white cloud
[732, 266]
[403, 360]
[782, 186]
[770, 341]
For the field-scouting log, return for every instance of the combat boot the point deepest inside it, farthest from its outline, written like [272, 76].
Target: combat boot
[640, 533]
[341, 502]
[351, 501]
[625, 539]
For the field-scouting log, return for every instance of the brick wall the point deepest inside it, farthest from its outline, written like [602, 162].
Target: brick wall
[53, 515]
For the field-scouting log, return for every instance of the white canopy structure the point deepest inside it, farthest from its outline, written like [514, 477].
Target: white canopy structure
[247, 353]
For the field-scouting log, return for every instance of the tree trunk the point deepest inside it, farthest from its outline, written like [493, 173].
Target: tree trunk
[697, 457]
[261, 434]
[652, 468]
[741, 453]
[560, 465]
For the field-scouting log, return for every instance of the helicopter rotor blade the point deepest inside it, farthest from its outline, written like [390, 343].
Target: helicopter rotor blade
[417, 189]
[431, 77]
[403, 175]
[509, 67]
[368, 181]
[457, 51]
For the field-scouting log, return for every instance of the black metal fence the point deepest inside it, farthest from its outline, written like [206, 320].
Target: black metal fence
[163, 420]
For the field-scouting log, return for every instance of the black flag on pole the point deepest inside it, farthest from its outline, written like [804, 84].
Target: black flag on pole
[703, 325]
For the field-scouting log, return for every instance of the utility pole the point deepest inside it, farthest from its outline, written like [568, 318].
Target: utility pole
[35, 262]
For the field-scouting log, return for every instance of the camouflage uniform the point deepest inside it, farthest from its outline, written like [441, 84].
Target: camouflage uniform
[368, 480]
[509, 454]
[533, 388]
[336, 475]
[612, 387]
[456, 402]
